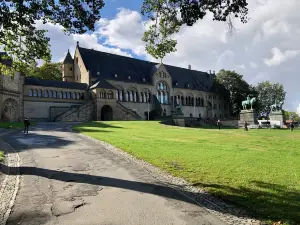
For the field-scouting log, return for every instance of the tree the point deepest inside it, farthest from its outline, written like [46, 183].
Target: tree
[48, 71]
[24, 43]
[268, 93]
[292, 115]
[167, 16]
[237, 88]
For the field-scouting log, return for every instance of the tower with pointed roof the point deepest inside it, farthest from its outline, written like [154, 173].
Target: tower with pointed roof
[68, 68]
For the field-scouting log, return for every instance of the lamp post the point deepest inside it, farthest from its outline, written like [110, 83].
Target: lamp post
[148, 99]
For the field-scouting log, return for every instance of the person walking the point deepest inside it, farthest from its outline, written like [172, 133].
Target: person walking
[292, 126]
[246, 126]
[219, 124]
[26, 125]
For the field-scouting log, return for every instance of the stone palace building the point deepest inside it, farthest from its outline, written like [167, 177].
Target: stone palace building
[102, 86]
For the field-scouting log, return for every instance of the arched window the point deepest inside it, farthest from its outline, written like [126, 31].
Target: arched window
[162, 96]
[131, 96]
[122, 95]
[110, 95]
[39, 93]
[50, 94]
[117, 94]
[34, 93]
[141, 97]
[64, 94]
[30, 93]
[70, 95]
[46, 94]
[102, 94]
[78, 95]
[134, 96]
[54, 94]
[82, 96]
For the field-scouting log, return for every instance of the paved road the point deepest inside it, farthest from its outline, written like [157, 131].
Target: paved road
[68, 179]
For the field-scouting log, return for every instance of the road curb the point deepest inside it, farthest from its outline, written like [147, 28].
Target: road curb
[223, 211]
[10, 186]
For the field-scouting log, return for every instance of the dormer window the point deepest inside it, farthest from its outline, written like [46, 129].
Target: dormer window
[188, 85]
[98, 73]
[129, 77]
[176, 83]
[144, 80]
[116, 75]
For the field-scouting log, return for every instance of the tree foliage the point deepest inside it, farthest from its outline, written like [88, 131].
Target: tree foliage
[168, 16]
[268, 93]
[48, 71]
[292, 115]
[237, 88]
[24, 43]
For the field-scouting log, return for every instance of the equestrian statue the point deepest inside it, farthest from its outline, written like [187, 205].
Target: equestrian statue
[248, 102]
[276, 106]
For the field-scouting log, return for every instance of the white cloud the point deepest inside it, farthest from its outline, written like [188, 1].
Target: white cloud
[205, 46]
[60, 43]
[298, 109]
[280, 57]
[253, 65]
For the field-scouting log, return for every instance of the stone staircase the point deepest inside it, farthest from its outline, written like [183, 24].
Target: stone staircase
[82, 113]
[123, 113]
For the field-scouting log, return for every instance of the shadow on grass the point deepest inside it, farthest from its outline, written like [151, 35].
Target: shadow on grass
[96, 124]
[265, 201]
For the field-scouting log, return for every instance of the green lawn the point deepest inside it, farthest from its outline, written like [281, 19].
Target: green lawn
[257, 170]
[13, 125]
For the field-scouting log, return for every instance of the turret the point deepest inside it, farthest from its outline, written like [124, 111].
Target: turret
[68, 68]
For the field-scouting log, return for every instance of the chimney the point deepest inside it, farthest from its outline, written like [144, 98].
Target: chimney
[190, 67]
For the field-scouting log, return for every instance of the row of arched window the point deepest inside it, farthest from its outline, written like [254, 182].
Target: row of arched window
[104, 94]
[188, 101]
[55, 94]
[132, 96]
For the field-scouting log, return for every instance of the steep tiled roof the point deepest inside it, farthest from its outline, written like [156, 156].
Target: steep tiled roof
[55, 83]
[102, 65]
[68, 59]
[102, 84]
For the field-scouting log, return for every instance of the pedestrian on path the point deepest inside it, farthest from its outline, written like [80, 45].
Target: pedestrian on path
[26, 125]
[292, 126]
[246, 126]
[219, 124]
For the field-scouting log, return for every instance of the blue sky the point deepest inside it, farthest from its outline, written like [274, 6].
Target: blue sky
[111, 7]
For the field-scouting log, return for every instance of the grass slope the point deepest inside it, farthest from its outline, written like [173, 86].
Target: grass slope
[257, 170]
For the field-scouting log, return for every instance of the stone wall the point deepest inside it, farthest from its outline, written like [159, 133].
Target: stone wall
[230, 123]
[81, 74]
[81, 113]
[39, 110]
[11, 98]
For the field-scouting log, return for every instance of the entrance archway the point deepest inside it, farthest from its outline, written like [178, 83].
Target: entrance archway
[10, 110]
[106, 113]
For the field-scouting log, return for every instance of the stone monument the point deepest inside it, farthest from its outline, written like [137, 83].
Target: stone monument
[276, 113]
[178, 117]
[248, 114]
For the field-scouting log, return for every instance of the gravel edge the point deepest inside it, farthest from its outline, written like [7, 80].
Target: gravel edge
[10, 185]
[224, 211]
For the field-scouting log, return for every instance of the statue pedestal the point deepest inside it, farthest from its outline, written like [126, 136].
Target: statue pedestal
[250, 116]
[279, 116]
[178, 119]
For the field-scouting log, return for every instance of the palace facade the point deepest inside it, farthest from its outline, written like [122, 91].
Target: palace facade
[102, 86]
